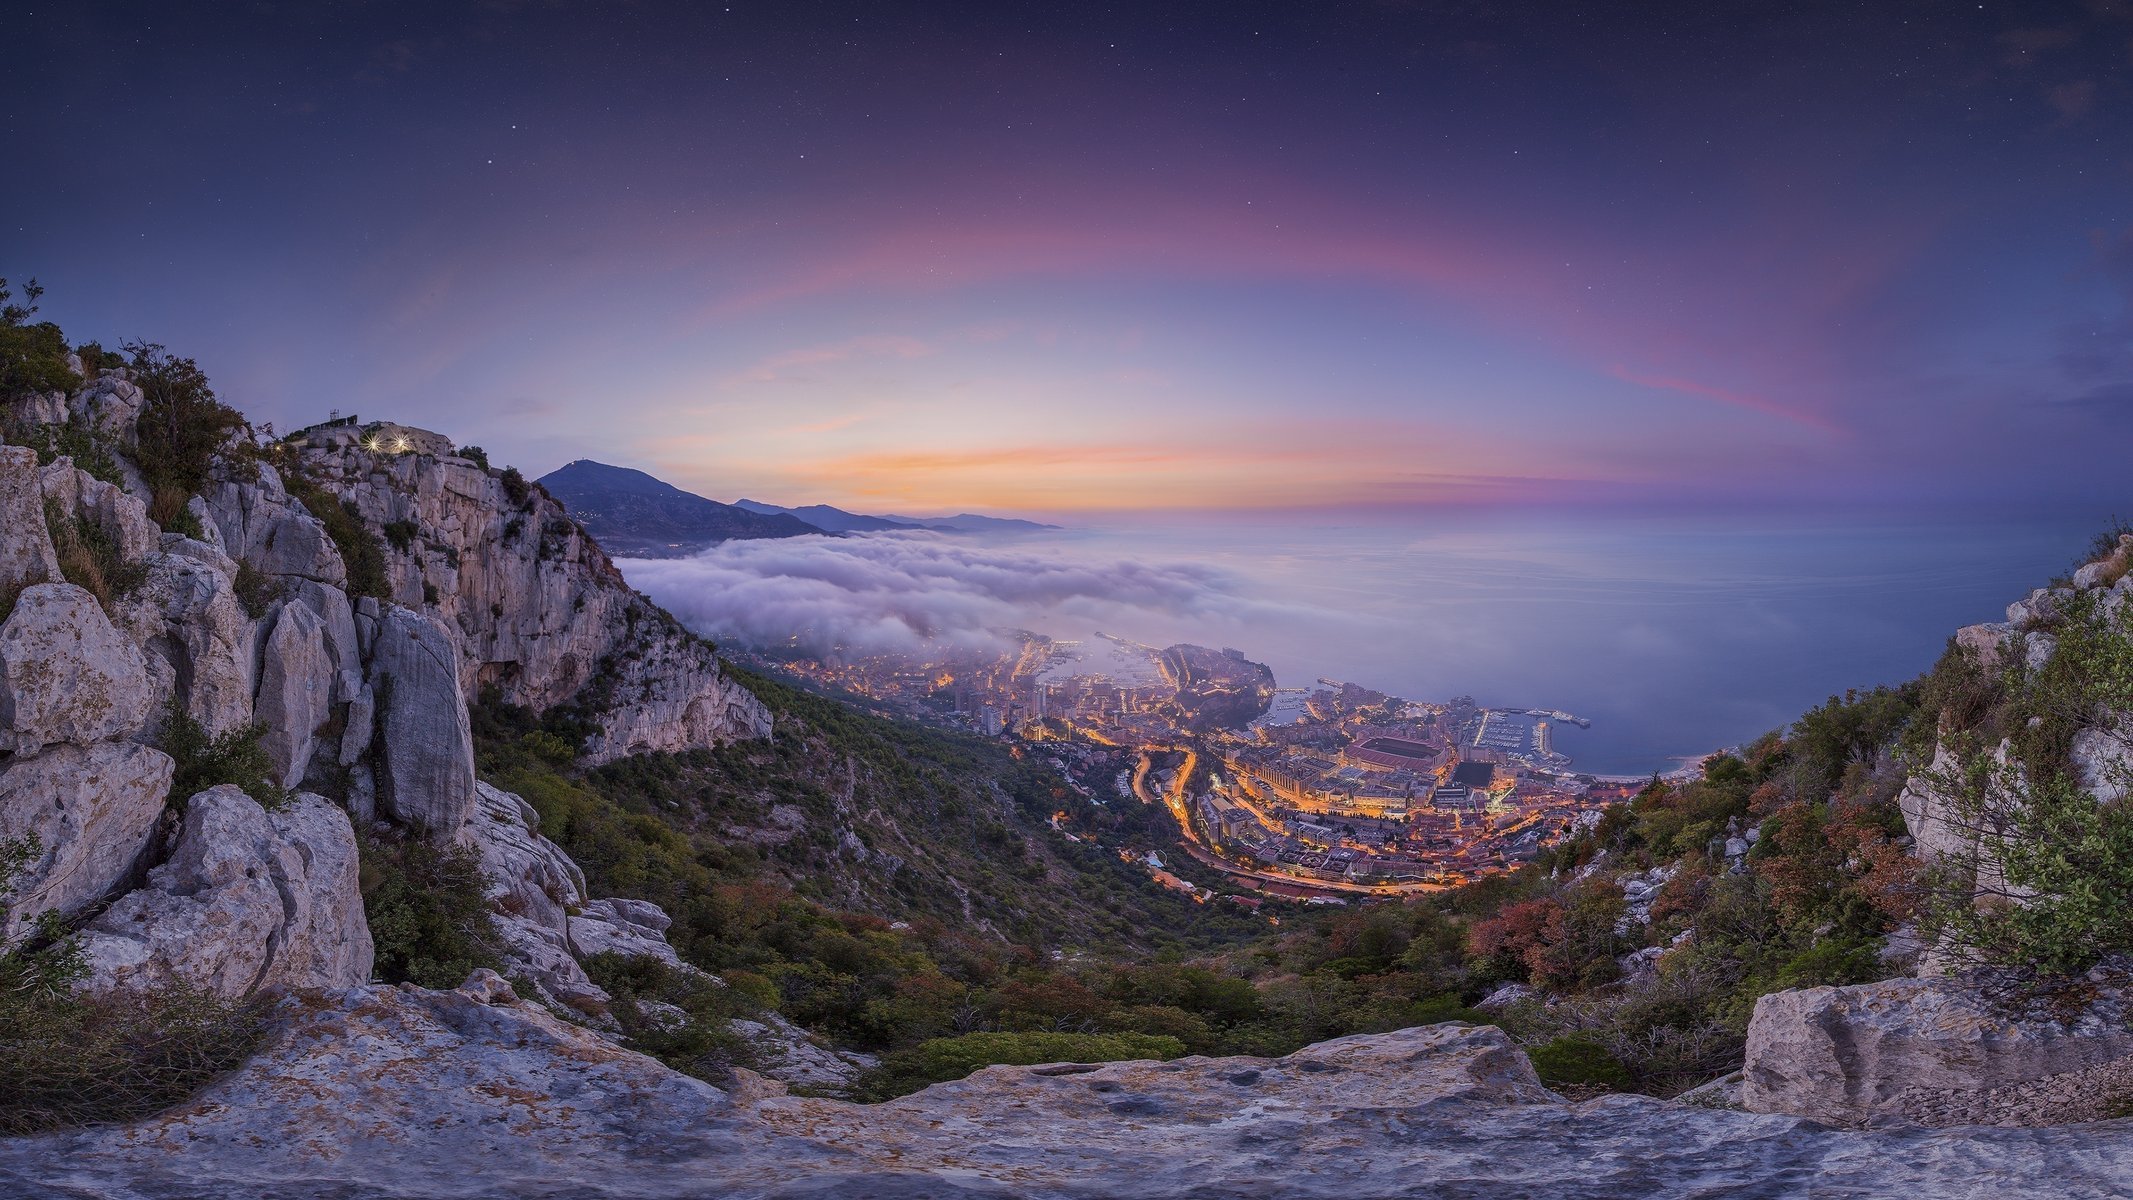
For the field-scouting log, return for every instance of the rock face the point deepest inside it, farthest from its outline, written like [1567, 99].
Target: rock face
[26, 552]
[195, 635]
[249, 899]
[93, 812]
[1943, 1051]
[65, 674]
[266, 528]
[296, 680]
[390, 1092]
[540, 613]
[426, 778]
[533, 886]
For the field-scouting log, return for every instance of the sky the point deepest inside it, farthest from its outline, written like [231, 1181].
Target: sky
[1083, 260]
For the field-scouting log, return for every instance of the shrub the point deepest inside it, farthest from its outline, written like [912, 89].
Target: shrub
[361, 554]
[474, 454]
[256, 590]
[203, 762]
[938, 1060]
[89, 558]
[1579, 1062]
[401, 533]
[33, 358]
[182, 425]
[71, 1059]
[516, 489]
[75, 441]
[169, 510]
[428, 911]
[2042, 885]
[682, 1018]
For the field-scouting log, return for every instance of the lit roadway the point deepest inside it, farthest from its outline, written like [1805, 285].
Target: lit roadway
[1174, 800]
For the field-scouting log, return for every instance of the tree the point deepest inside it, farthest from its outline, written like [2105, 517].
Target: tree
[182, 425]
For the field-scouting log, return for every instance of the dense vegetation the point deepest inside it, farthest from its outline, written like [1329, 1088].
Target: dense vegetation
[73, 1059]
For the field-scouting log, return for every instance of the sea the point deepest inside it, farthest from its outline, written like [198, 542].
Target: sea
[1674, 636]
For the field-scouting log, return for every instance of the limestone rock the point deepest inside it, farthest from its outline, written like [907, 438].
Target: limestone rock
[1928, 813]
[1985, 641]
[295, 690]
[1940, 1052]
[65, 674]
[186, 615]
[93, 811]
[264, 526]
[787, 1053]
[2038, 608]
[26, 555]
[385, 1092]
[2103, 759]
[249, 899]
[110, 406]
[540, 612]
[532, 887]
[210, 533]
[631, 928]
[121, 517]
[426, 781]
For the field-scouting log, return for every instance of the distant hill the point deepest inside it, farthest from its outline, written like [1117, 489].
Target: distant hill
[825, 517]
[837, 520]
[973, 523]
[634, 515]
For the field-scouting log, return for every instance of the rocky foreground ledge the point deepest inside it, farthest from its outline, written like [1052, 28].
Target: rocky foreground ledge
[376, 1092]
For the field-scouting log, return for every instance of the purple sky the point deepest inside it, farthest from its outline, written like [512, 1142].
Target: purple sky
[1055, 258]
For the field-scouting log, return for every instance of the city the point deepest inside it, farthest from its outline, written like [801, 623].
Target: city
[1320, 794]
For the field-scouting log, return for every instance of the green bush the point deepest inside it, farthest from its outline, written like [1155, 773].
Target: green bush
[203, 762]
[401, 533]
[33, 358]
[938, 1060]
[73, 440]
[699, 1040]
[475, 454]
[428, 912]
[1579, 1062]
[182, 425]
[2043, 885]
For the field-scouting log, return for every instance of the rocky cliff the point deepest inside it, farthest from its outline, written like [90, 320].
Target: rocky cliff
[327, 605]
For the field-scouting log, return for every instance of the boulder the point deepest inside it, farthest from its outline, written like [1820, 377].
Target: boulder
[2040, 607]
[265, 527]
[1953, 1050]
[1986, 641]
[93, 812]
[121, 517]
[789, 1054]
[186, 615]
[532, 885]
[2103, 759]
[631, 928]
[26, 555]
[249, 900]
[110, 407]
[66, 675]
[295, 697]
[426, 781]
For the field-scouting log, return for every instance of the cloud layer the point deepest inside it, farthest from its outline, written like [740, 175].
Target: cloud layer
[902, 592]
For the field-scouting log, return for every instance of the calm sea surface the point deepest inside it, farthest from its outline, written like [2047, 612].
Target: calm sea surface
[1674, 636]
